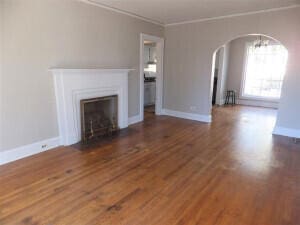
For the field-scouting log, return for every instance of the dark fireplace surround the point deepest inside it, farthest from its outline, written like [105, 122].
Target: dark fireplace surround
[99, 117]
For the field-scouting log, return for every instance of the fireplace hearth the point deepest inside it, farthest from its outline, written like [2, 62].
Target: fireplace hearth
[99, 117]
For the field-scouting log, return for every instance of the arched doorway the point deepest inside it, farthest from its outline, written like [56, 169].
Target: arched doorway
[252, 67]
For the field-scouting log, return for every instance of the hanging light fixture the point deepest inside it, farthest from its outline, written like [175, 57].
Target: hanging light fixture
[260, 42]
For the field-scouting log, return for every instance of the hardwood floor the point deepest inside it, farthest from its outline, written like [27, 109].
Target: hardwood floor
[149, 112]
[164, 171]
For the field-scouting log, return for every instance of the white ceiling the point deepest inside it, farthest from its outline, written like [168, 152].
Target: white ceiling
[176, 11]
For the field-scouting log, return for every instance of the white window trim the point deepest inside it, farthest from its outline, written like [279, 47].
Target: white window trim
[249, 97]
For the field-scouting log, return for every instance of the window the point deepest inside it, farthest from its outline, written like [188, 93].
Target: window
[264, 71]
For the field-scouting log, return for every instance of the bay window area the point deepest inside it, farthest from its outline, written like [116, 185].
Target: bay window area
[264, 71]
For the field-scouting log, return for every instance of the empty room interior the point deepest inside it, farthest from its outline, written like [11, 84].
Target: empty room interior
[149, 112]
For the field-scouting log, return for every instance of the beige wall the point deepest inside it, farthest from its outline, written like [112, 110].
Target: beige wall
[188, 58]
[43, 34]
[236, 67]
[1, 77]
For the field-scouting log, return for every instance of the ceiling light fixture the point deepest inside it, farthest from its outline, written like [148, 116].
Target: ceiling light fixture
[260, 42]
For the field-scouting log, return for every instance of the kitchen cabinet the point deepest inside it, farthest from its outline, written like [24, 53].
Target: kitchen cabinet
[149, 93]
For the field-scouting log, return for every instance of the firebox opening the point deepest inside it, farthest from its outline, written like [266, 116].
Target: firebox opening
[99, 117]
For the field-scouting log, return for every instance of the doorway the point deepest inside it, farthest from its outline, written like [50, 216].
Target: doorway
[252, 67]
[151, 75]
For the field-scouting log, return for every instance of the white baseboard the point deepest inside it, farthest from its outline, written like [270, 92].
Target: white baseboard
[28, 150]
[222, 102]
[189, 116]
[288, 132]
[41, 146]
[134, 119]
[45, 145]
[257, 103]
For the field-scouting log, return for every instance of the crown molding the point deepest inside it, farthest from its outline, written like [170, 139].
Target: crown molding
[233, 15]
[91, 2]
[101, 5]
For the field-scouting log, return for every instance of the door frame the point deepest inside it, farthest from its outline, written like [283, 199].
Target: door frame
[159, 76]
[221, 75]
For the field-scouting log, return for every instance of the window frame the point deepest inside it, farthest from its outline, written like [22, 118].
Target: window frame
[243, 81]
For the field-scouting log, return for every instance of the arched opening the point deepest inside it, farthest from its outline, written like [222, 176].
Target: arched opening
[249, 71]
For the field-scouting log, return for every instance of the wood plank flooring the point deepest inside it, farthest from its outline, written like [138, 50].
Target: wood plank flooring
[164, 171]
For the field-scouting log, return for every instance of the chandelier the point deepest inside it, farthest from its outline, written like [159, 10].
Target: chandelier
[260, 42]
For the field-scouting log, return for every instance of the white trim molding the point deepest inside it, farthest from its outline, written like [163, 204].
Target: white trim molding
[288, 132]
[233, 15]
[160, 23]
[28, 150]
[258, 103]
[101, 5]
[134, 119]
[41, 146]
[159, 75]
[189, 116]
[73, 85]
[222, 102]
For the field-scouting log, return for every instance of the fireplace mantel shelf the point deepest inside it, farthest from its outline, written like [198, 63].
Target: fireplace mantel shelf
[72, 71]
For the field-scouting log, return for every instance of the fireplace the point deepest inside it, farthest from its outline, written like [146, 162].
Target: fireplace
[74, 85]
[99, 117]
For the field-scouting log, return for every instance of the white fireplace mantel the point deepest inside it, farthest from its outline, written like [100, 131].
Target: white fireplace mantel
[73, 85]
